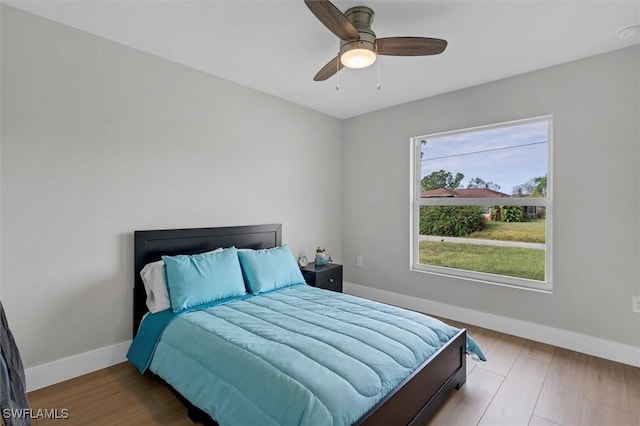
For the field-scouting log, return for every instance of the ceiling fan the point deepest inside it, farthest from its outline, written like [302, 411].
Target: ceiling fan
[358, 43]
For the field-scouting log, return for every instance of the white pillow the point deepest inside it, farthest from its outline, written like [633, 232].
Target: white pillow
[155, 284]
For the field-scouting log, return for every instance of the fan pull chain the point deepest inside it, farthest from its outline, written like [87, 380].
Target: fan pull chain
[338, 74]
[378, 75]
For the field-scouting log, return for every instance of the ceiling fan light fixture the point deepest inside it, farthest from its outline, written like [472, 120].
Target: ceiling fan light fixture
[359, 53]
[358, 58]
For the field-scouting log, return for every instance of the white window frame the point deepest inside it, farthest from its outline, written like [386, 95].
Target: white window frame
[483, 277]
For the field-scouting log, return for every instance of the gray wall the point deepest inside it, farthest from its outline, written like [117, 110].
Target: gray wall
[100, 140]
[595, 107]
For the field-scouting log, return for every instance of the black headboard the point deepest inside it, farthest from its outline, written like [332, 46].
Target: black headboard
[149, 246]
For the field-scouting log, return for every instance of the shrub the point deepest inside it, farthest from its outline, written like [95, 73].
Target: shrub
[507, 213]
[512, 214]
[496, 214]
[451, 221]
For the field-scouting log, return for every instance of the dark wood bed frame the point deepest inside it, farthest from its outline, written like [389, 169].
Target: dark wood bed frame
[413, 402]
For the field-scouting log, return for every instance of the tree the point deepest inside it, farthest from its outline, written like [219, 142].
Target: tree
[540, 186]
[480, 183]
[534, 187]
[441, 179]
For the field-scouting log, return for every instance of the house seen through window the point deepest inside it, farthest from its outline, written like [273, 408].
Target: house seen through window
[482, 207]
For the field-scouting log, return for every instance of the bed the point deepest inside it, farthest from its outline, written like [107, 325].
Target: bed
[413, 400]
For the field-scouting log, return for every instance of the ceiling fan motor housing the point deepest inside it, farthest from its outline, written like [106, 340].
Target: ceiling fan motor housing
[361, 17]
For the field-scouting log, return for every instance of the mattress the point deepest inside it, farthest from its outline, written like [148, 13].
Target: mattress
[298, 355]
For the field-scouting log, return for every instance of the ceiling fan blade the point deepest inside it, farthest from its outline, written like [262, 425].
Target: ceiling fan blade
[332, 67]
[410, 46]
[333, 19]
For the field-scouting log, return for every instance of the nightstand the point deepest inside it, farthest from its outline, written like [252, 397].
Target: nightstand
[328, 277]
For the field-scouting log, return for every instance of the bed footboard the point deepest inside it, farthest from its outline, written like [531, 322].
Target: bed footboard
[416, 399]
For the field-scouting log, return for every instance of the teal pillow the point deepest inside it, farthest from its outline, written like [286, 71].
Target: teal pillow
[203, 278]
[270, 269]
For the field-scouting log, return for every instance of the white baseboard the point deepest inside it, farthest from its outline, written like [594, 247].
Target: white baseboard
[602, 348]
[60, 370]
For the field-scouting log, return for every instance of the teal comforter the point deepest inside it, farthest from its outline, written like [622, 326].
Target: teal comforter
[295, 356]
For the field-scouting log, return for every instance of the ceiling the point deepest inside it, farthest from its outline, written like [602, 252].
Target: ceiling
[278, 46]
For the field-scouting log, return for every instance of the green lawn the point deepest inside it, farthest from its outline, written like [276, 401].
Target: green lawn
[509, 261]
[530, 231]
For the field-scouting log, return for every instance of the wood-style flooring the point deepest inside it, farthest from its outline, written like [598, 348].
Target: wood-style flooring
[529, 383]
[523, 383]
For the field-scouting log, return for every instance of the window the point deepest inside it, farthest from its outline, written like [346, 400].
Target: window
[482, 205]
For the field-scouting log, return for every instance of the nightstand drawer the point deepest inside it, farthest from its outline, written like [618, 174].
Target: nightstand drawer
[331, 280]
[328, 277]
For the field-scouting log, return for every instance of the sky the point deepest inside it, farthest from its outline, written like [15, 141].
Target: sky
[507, 156]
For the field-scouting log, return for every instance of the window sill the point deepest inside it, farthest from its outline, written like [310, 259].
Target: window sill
[484, 278]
